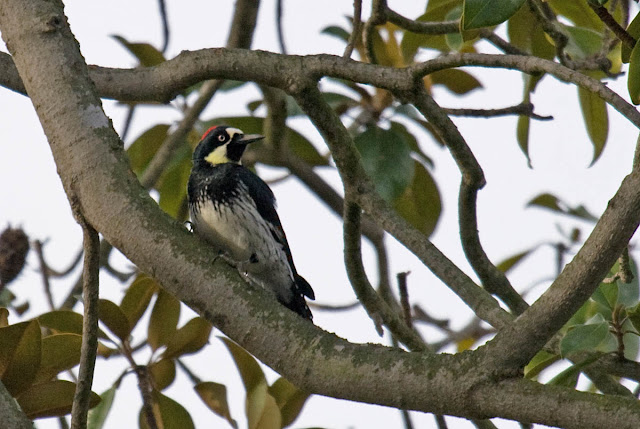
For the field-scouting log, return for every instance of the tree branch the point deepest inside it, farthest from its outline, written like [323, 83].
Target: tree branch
[289, 72]
[89, 347]
[472, 181]
[377, 309]
[515, 345]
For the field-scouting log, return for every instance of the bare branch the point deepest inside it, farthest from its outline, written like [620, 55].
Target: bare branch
[613, 25]
[44, 272]
[524, 109]
[375, 306]
[472, 181]
[89, 347]
[356, 30]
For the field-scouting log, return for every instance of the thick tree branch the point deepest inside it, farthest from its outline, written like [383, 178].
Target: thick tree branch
[12, 415]
[163, 82]
[514, 346]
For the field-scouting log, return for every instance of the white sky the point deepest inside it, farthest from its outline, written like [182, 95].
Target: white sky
[32, 196]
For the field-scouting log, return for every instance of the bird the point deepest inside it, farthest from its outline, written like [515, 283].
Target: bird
[234, 210]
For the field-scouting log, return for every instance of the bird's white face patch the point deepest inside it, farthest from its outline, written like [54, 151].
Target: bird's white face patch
[232, 132]
[219, 154]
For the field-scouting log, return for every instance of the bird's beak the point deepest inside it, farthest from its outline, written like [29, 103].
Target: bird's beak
[249, 138]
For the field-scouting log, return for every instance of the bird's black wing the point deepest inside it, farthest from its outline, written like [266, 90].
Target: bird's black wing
[266, 205]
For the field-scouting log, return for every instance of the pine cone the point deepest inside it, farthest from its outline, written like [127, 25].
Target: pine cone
[14, 246]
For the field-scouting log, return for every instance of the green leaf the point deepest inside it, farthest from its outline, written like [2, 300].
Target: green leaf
[254, 381]
[298, 144]
[50, 399]
[171, 414]
[335, 31]
[20, 346]
[485, 13]
[584, 337]
[289, 399]
[456, 81]
[506, 265]
[59, 353]
[420, 203]
[578, 12]
[164, 320]
[163, 373]
[386, 157]
[189, 339]
[634, 31]
[606, 295]
[137, 298]
[249, 368]
[436, 12]
[553, 203]
[541, 361]
[172, 185]
[270, 417]
[567, 378]
[628, 293]
[526, 33]
[596, 119]
[634, 316]
[455, 41]
[143, 148]
[633, 78]
[114, 319]
[582, 42]
[65, 321]
[146, 54]
[98, 415]
[214, 395]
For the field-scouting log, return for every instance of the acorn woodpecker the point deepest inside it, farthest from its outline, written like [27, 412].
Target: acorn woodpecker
[235, 211]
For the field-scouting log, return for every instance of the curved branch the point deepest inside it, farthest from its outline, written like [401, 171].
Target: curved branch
[378, 310]
[354, 178]
[291, 73]
[473, 180]
[515, 345]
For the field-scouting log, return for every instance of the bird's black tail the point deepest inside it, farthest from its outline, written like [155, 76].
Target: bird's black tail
[298, 302]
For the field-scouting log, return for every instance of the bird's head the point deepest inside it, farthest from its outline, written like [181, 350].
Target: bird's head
[223, 144]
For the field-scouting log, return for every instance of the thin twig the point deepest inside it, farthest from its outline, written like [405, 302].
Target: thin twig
[524, 109]
[613, 25]
[91, 268]
[127, 121]
[279, 15]
[65, 272]
[165, 25]
[375, 306]
[404, 298]
[331, 307]
[44, 272]
[500, 43]
[356, 29]
[434, 28]
[472, 181]
[377, 17]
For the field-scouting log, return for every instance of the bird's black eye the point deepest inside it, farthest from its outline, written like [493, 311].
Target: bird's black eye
[222, 137]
